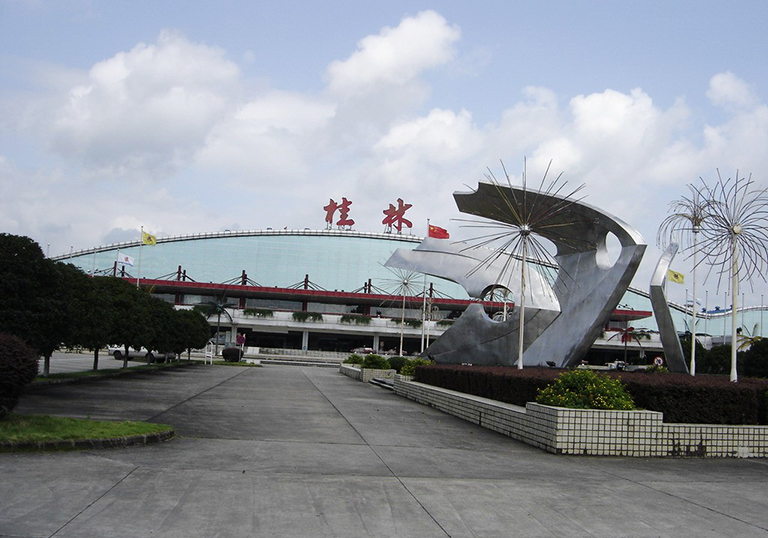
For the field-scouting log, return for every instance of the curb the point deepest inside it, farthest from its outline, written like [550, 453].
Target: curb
[87, 379]
[87, 444]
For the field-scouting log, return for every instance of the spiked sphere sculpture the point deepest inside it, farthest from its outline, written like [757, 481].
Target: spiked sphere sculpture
[735, 237]
[682, 226]
[514, 235]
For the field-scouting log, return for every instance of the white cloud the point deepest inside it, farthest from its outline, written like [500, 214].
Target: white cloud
[222, 151]
[268, 140]
[395, 56]
[146, 110]
[730, 92]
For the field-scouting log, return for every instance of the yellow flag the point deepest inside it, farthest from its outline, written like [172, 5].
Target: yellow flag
[674, 276]
[148, 239]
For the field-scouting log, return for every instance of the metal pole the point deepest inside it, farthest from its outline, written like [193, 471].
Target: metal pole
[424, 312]
[706, 308]
[735, 291]
[522, 306]
[693, 306]
[138, 270]
[402, 325]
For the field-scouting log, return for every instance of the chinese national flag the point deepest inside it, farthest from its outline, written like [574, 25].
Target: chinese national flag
[438, 233]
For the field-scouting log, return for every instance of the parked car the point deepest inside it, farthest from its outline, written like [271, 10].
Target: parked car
[143, 353]
[364, 350]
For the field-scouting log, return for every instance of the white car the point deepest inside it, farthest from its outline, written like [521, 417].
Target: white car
[150, 356]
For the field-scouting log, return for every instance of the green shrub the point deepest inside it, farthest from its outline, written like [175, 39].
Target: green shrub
[18, 367]
[232, 354]
[259, 312]
[307, 316]
[409, 368]
[397, 363]
[445, 323]
[586, 389]
[413, 323]
[754, 361]
[357, 319]
[376, 362]
[354, 358]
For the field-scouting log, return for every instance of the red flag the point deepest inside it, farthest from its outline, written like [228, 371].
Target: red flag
[438, 233]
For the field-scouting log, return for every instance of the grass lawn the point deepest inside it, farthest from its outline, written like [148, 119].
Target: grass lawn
[111, 371]
[17, 429]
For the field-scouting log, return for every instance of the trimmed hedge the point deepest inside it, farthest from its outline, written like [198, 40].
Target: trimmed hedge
[354, 358]
[18, 367]
[397, 362]
[377, 362]
[703, 399]
[232, 354]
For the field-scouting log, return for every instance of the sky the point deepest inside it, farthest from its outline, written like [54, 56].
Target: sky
[188, 117]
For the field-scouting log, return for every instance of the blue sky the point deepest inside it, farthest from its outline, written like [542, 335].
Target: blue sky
[188, 117]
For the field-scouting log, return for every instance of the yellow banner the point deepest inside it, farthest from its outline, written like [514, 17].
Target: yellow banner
[674, 276]
[148, 239]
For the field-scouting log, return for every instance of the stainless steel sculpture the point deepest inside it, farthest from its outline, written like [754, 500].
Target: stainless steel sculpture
[586, 286]
[735, 237]
[673, 350]
[683, 226]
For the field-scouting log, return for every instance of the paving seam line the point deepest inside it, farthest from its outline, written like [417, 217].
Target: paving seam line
[404, 486]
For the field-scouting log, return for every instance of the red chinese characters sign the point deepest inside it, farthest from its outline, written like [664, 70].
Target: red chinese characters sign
[342, 208]
[395, 216]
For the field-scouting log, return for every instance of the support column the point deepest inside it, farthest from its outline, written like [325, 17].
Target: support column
[376, 342]
[305, 340]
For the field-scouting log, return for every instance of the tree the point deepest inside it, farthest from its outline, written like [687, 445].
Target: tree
[628, 335]
[754, 361]
[717, 360]
[191, 331]
[216, 308]
[34, 303]
[91, 314]
[131, 322]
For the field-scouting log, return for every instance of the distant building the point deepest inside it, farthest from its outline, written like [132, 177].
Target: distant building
[315, 289]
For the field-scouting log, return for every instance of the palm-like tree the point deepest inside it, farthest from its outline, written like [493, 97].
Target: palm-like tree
[630, 334]
[683, 226]
[217, 308]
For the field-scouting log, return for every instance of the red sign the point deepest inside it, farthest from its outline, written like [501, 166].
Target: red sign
[343, 209]
[395, 216]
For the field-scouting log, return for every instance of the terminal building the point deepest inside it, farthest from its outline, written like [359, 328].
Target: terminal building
[329, 291]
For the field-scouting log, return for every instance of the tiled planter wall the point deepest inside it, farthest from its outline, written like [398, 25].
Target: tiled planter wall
[365, 374]
[591, 431]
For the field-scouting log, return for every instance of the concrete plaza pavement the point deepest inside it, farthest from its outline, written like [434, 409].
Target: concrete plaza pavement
[286, 451]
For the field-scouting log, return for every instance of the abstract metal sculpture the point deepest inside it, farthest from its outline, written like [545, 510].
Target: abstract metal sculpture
[586, 288]
[673, 351]
[735, 237]
[683, 226]
[403, 283]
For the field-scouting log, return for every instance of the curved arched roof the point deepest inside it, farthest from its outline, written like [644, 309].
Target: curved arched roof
[333, 259]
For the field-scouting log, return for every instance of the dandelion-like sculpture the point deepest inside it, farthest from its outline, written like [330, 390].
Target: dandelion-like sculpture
[513, 223]
[571, 299]
[682, 226]
[735, 237]
[403, 283]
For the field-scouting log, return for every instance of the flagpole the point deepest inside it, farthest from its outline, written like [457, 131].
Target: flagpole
[424, 303]
[138, 271]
